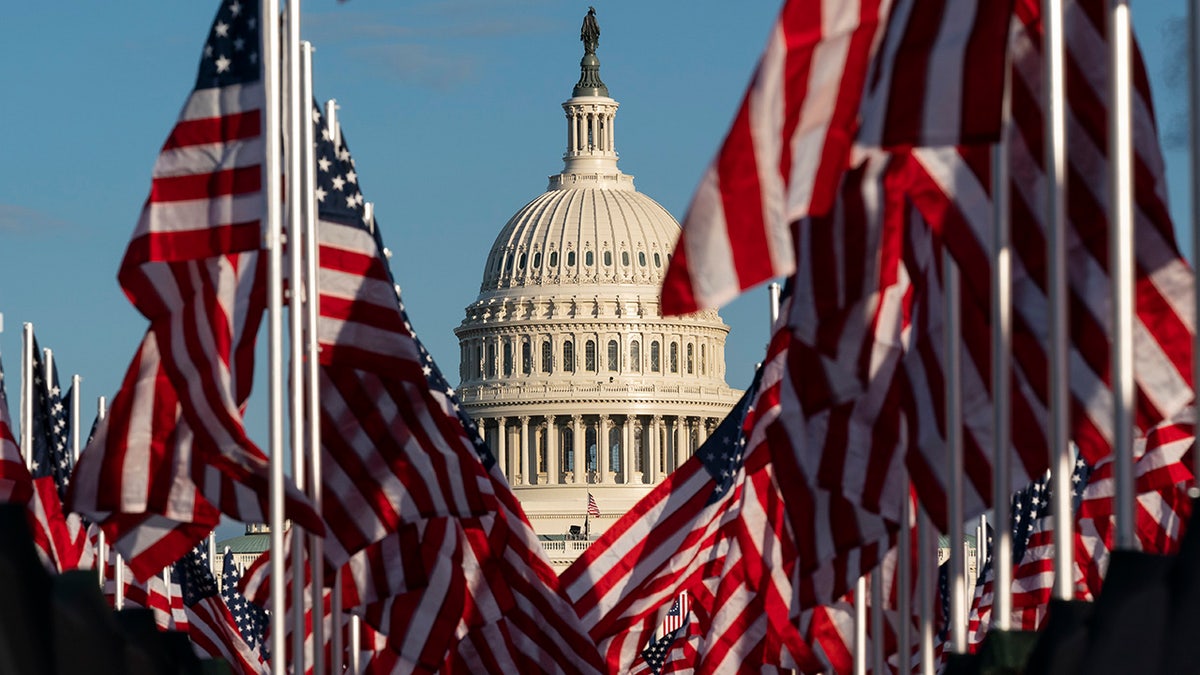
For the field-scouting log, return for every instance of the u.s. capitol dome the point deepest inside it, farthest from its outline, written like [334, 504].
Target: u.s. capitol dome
[566, 351]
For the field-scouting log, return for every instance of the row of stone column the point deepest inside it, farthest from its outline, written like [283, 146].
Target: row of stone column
[600, 123]
[659, 443]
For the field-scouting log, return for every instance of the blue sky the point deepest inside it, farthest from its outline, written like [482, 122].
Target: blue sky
[451, 108]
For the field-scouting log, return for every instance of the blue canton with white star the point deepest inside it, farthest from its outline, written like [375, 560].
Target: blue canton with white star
[50, 456]
[231, 53]
[723, 453]
[194, 576]
[251, 619]
[655, 653]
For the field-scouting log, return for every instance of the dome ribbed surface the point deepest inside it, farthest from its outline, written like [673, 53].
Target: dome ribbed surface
[583, 235]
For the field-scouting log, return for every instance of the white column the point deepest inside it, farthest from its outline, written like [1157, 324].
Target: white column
[681, 452]
[653, 453]
[501, 453]
[703, 430]
[627, 449]
[602, 448]
[523, 444]
[577, 443]
[552, 473]
[612, 134]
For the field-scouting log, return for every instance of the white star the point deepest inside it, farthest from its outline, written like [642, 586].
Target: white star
[320, 194]
[236, 8]
[343, 154]
[349, 202]
[221, 28]
[324, 163]
[352, 177]
[338, 182]
[222, 64]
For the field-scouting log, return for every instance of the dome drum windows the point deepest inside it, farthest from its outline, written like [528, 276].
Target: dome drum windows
[589, 259]
[553, 258]
[508, 359]
[489, 359]
[589, 356]
[641, 258]
[614, 356]
[655, 357]
[526, 358]
[674, 359]
[657, 260]
[569, 356]
[570, 258]
[691, 359]
[635, 356]
[521, 261]
[547, 357]
[625, 258]
[537, 259]
[608, 258]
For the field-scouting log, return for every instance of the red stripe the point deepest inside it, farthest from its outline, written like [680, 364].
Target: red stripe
[223, 182]
[225, 129]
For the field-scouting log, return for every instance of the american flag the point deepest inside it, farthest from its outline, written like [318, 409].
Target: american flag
[251, 619]
[16, 485]
[193, 269]
[782, 158]
[436, 549]
[212, 628]
[677, 615]
[152, 594]
[59, 537]
[655, 653]
[624, 581]
[592, 508]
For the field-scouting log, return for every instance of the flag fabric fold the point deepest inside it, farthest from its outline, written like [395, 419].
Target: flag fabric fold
[174, 452]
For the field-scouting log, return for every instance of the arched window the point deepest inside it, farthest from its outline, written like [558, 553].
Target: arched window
[569, 356]
[537, 259]
[625, 258]
[547, 357]
[554, 258]
[703, 359]
[657, 260]
[589, 259]
[521, 262]
[635, 356]
[508, 265]
[642, 258]
[526, 358]
[614, 356]
[570, 258]
[691, 361]
[508, 361]
[608, 258]
[589, 356]
[655, 355]
[490, 360]
[674, 357]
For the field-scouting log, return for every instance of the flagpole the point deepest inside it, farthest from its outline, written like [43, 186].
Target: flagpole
[952, 331]
[271, 180]
[294, 193]
[904, 586]
[773, 299]
[76, 384]
[27, 394]
[355, 639]
[316, 552]
[860, 626]
[101, 556]
[878, 657]
[1121, 258]
[1194, 128]
[1002, 366]
[1056, 291]
[926, 581]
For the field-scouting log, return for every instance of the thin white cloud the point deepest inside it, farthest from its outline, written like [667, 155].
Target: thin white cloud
[21, 219]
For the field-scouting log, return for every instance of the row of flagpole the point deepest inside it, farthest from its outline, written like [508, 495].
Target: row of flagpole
[1121, 247]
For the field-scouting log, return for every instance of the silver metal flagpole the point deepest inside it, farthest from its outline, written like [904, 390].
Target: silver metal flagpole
[355, 639]
[1121, 244]
[952, 327]
[212, 554]
[878, 657]
[773, 293]
[904, 591]
[926, 584]
[294, 152]
[27, 394]
[1194, 128]
[119, 580]
[860, 626]
[312, 384]
[76, 430]
[274, 230]
[1056, 291]
[1002, 367]
[101, 554]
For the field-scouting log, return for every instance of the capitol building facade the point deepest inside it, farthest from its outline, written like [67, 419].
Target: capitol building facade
[576, 380]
